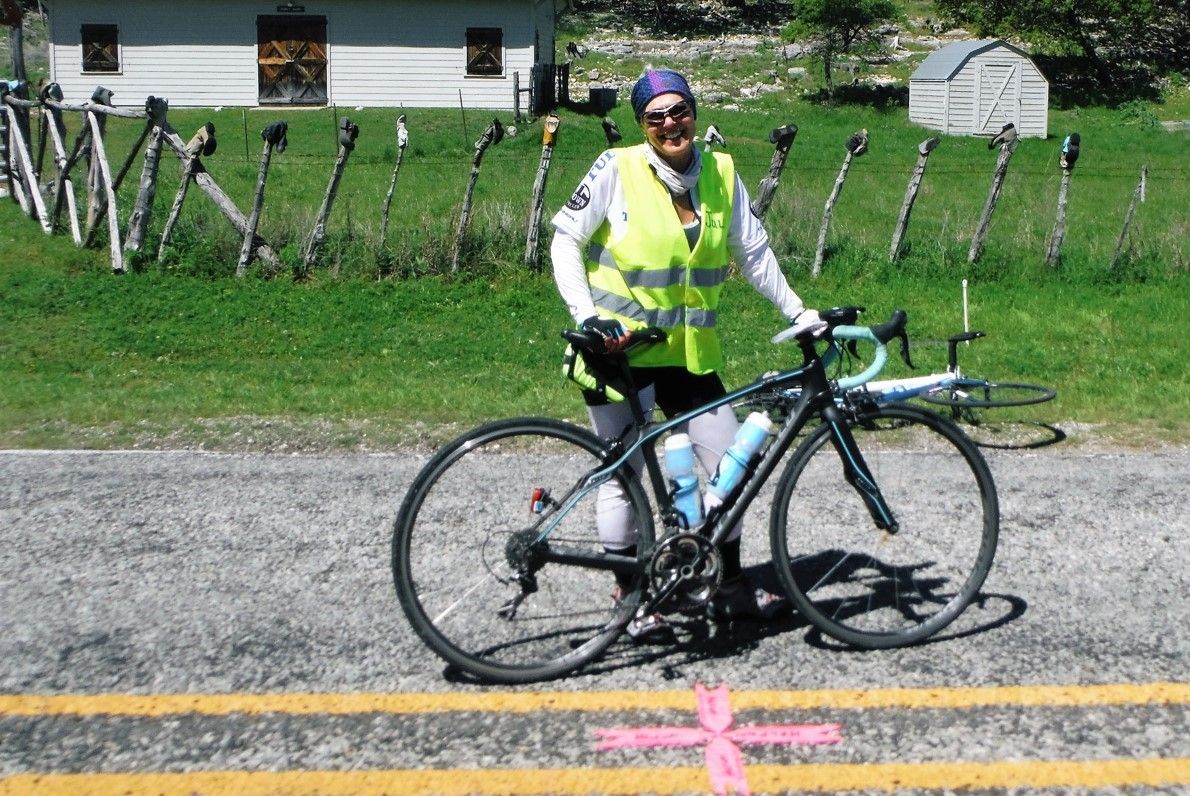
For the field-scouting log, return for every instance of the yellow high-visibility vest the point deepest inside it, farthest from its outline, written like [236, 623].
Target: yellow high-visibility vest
[650, 277]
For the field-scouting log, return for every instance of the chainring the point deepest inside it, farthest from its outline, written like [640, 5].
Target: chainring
[694, 561]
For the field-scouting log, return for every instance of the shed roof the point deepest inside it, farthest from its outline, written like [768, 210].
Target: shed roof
[942, 64]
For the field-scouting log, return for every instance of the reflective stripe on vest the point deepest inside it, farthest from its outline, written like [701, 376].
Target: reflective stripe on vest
[650, 277]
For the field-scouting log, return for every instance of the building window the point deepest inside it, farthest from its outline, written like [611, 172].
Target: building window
[101, 48]
[485, 51]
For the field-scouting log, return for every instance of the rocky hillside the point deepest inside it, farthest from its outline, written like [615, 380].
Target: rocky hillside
[732, 53]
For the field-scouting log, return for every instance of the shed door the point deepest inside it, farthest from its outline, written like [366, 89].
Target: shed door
[997, 97]
[291, 59]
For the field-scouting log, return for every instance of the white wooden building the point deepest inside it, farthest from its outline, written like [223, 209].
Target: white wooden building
[413, 53]
[976, 87]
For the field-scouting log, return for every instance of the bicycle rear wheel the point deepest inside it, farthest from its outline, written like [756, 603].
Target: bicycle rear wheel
[475, 583]
[867, 587]
[981, 394]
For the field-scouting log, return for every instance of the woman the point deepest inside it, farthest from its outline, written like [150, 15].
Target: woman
[645, 240]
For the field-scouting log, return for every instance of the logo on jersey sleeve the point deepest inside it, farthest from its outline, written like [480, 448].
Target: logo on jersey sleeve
[580, 199]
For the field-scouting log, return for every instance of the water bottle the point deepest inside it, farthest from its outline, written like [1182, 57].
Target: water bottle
[679, 463]
[749, 441]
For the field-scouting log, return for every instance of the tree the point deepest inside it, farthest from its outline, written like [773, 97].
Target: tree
[1107, 34]
[10, 14]
[835, 28]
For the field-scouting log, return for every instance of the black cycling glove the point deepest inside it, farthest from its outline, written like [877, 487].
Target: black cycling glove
[604, 327]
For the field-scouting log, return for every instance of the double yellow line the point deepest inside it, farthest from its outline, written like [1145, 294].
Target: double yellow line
[1144, 772]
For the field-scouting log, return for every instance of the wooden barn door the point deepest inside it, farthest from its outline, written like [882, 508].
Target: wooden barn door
[291, 60]
[997, 96]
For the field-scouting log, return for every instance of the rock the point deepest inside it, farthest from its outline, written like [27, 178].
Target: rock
[794, 50]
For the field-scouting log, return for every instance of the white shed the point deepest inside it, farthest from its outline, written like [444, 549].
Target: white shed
[976, 87]
[413, 53]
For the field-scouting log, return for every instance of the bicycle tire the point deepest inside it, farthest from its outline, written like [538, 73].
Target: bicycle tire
[982, 394]
[451, 543]
[864, 586]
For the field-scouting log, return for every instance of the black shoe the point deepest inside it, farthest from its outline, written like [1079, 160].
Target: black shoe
[741, 599]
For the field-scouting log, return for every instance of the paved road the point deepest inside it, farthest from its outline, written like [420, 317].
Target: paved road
[257, 587]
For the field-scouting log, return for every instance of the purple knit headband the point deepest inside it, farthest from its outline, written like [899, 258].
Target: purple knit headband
[656, 82]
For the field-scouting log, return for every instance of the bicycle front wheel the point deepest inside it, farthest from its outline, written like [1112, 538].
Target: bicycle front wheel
[981, 394]
[475, 580]
[868, 587]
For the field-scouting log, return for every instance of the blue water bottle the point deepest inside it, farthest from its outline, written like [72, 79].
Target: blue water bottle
[749, 441]
[679, 463]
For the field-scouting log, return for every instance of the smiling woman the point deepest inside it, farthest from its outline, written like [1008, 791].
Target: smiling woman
[645, 241]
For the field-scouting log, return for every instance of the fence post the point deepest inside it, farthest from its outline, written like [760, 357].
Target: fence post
[923, 153]
[138, 221]
[63, 186]
[274, 137]
[96, 196]
[492, 135]
[347, 135]
[549, 137]
[26, 180]
[985, 219]
[402, 142]
[1066, 160]
[1137, 196]
[857, 145]
[50, 96]
[104, 176]
[782, 139]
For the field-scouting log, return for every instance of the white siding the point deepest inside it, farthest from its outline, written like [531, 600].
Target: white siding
[927, 103]
[380, 53]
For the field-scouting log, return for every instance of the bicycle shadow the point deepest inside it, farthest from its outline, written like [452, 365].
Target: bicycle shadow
[1014, 434]
[698, 639]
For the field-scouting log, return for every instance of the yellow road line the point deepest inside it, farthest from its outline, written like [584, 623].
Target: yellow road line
[1153, 772]
[154, 705]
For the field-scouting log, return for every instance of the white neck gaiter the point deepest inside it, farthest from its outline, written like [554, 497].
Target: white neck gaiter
[677, 183]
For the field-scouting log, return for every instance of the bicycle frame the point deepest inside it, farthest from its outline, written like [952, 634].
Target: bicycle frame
[817, 397]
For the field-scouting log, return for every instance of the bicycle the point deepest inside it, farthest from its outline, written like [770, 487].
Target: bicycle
[880, 545]
[963, 395]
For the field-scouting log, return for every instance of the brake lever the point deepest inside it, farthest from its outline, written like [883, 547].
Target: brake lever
[905, 349]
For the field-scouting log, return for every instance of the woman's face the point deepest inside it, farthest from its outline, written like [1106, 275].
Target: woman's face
[668, 122]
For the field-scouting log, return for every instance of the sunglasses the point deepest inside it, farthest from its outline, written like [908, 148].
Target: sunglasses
[677, 112]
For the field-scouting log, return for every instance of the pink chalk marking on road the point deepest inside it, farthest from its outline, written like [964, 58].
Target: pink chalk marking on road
[725, 761]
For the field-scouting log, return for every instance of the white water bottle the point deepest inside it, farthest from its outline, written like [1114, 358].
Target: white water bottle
[749, 441]
[679, 463]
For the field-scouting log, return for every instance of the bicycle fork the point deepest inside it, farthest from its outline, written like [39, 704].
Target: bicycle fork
[856, 471]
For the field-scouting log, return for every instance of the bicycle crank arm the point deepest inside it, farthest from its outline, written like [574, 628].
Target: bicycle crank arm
[664, 593]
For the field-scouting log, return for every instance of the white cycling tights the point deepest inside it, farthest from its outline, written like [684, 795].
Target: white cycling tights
[712, 433]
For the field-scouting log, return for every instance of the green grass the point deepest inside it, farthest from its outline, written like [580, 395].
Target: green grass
[88, 359]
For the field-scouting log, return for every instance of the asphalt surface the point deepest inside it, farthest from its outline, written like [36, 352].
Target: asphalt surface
[164, 573]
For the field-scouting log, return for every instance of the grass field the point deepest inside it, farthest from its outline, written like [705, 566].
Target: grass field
[379, 346]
